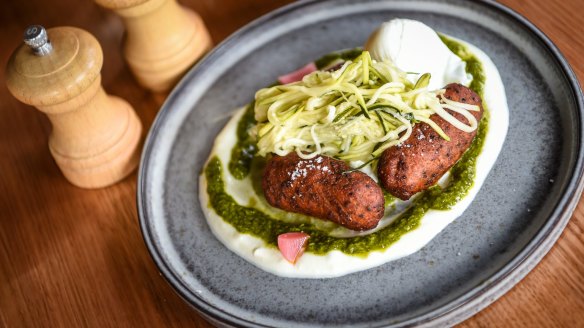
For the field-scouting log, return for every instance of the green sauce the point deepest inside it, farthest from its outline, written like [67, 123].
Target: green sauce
[245, 149]
[252, 221]
[463, 173]
[389, 198]
[473, 65]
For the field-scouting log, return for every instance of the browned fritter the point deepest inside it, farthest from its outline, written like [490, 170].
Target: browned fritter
[420, 161]
[322, 187]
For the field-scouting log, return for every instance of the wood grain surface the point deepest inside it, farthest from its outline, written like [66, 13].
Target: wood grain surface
[71, 257]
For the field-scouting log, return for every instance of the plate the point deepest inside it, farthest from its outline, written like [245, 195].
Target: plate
[517, 216]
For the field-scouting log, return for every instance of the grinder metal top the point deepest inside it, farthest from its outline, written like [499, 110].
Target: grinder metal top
[35, 36]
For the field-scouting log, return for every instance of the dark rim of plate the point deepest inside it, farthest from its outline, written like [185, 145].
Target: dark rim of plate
[461, 308]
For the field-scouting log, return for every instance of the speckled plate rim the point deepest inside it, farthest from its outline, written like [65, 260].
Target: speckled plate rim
[451, 313]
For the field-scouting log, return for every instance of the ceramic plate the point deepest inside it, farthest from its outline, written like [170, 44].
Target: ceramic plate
[520, 211]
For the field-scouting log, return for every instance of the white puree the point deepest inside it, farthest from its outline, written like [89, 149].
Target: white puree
[336, 263]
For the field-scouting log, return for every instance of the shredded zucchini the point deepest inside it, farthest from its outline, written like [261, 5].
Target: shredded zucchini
[353, 113]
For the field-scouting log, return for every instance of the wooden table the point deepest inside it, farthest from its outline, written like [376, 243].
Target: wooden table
[71, 257]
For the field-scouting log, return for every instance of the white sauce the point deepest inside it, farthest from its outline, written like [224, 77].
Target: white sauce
[414, 47]
[336, 263]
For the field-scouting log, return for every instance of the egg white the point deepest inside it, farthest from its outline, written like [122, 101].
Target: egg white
[337, 263]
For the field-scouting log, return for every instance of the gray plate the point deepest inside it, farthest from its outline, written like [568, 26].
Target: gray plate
[517, 216]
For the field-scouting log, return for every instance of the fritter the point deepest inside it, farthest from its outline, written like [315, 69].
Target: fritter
[420, 161]
[325, 188]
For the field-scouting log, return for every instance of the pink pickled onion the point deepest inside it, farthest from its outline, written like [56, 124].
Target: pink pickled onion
[292, 245]
[297, 75]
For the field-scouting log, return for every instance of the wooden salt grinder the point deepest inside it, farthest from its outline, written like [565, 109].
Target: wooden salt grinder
[95, 139]
[163, 39]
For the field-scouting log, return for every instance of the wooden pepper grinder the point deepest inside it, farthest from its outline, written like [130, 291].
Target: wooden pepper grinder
[163, 39]
[96, 137]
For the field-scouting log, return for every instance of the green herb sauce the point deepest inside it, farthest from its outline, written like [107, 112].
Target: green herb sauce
[245, 149]
[255, 222]
[252, 221]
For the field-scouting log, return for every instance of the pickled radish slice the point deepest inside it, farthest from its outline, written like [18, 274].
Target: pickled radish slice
[298, 74]
[292, 245]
